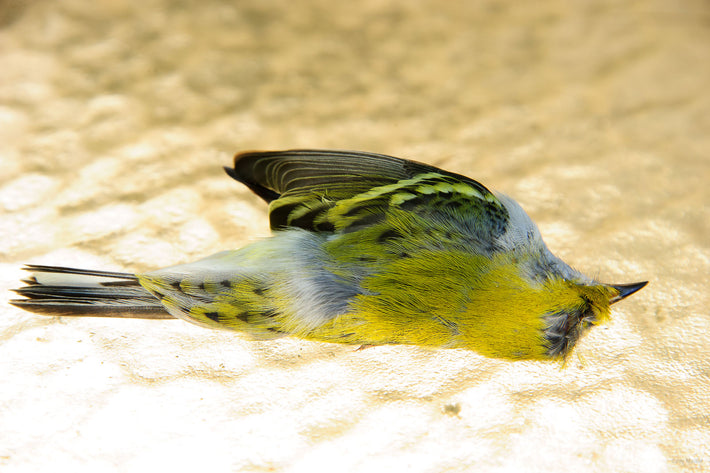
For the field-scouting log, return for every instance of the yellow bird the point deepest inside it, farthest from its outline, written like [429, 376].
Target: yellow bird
[366, 249]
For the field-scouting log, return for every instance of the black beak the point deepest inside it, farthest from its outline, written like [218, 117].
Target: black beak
[625, 290]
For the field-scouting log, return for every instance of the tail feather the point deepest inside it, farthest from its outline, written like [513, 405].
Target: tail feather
[40, 268]
[56, 290]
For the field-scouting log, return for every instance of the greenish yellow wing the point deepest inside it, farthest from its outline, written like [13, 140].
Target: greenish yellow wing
[343, 191]
[301, 184]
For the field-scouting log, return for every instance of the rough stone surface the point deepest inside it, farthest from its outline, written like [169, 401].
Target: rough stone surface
[115, 120]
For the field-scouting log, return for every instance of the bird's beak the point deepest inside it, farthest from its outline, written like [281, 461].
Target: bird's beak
[625, 290]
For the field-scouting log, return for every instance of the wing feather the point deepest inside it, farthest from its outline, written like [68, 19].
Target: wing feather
[324, 190]
[274, 173]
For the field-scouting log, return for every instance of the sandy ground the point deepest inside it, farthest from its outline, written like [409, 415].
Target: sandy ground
[115, 120]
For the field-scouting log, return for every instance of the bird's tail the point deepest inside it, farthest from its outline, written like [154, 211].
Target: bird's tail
[56, 290]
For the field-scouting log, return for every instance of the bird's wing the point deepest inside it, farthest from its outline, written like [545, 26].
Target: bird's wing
[323, 190]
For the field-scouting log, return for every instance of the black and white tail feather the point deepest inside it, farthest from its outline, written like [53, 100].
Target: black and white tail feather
[57, 290]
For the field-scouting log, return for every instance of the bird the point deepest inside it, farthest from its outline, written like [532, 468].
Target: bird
[366, 249]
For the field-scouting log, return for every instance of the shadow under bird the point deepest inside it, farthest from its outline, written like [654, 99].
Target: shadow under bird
[366, 249]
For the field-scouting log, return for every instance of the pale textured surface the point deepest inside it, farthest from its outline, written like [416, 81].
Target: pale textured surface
[115, 118]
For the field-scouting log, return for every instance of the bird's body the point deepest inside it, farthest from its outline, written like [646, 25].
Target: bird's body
[367, 249]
